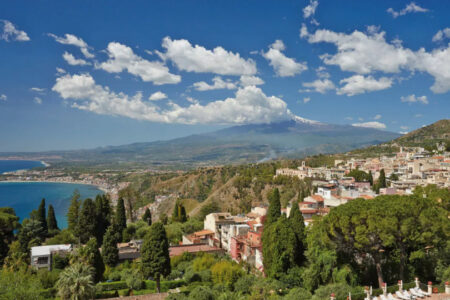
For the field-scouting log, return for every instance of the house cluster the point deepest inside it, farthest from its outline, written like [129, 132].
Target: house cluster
[240, 236]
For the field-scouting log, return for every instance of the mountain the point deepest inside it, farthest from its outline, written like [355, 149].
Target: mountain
[239, 144]
[427, 136]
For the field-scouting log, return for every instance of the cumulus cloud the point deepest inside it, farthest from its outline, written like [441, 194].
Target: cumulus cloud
[412, 99]
[157, 96]
[247, 80]
[283, 66]
[60, 71]
[355, 53]
[70, 39]
[409, 8]
[122, 57]
[38, 90]
[249, 105]
[3, 97]
[319, 85]
[11, 33]
[359, 84]
[201, 60]
[377, 117]
[374, 124]
[37, 100]
[218, 84]
[310, 9]
[71, 60]
[441, 34]
[306, 99]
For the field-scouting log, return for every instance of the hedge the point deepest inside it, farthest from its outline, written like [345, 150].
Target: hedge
[112, 286]
[48, 293]
[149, 285]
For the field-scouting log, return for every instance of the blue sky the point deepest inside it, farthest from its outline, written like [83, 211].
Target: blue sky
[93, 73]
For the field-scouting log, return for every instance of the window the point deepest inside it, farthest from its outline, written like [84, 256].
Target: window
[42, 260]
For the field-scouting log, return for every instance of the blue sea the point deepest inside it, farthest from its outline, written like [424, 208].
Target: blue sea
[26, 196]
[14, 165]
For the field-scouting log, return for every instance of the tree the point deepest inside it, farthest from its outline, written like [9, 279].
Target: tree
[183, 216]
[30, 234]
[90, 255]
[8, 223]
[19, 285]
[103, 212]
[274, 211]
[298, 226]
[110, 252]
[76, 282]
[73, 214]
[51, 219]
[226, 273]
[381, 183]
[155, 254]
[41, 217]
[359, 175]
[87, 222]
[147, 217]
[121, 217]
[176, 211]
[370, 178]
[279, 248]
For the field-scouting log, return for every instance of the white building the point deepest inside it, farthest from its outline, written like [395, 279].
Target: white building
[41, 256]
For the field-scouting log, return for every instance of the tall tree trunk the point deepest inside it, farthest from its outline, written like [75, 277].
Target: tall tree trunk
[379, 274]
[158, 289]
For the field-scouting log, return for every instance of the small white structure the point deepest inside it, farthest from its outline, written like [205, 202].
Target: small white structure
[41, 256]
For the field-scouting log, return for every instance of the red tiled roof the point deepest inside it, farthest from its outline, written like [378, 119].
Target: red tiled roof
[309, 211]
[178, 250]
[203, 232]
[318, 198]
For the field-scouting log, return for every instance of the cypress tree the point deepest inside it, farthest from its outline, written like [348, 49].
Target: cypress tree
[155, 254]
[176, 212]
[147, 217]
[73, 214]
[87, 221]
[110, 252]
[51, 219]
[103, 211]
[274, 211]
[94, 259]
[298, 226]
[121, 218]
[382, 179]
[370, 178]
[41, 217]
[183, 216]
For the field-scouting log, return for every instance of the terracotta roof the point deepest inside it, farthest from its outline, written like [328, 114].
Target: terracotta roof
[318, 198]
[203, 232]
[309, 211]
[366, 197]
[178, 250]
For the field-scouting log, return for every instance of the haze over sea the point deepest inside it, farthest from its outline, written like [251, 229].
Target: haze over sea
[26, 196]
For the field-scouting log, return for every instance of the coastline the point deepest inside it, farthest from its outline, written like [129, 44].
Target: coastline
[103, 189]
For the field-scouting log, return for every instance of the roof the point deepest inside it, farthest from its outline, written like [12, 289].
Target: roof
[366, 197]
[309, 211]
[203, 232]
[318, 198]
[47, 250]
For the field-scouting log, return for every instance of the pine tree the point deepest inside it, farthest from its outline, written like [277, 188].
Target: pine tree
[147, 217]
[87, 221]
[73, 214]
[94, 259]
[110, 252]
[298, 226]
[51, 219]
[155, 254]
[274, 211]
[120, 218]
[41, 217]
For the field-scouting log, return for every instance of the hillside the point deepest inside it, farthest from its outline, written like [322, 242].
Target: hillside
[427, 136]
[239, 144]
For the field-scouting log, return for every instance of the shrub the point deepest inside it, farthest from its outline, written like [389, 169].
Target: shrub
[111, 286]
[201, 293]
[244, 284]
[226, 272]
[60, 262]
[48, 278]
[339, 289]
[298, 294]
[133, 279]
[203, 262]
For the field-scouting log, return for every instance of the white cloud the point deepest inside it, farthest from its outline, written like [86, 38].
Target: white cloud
[412, 99]
[441, 34]
[157, 96]
[37, 100]
[11, 33]
[404, 127]
[122, 57]
[247, 80]
[310, 9]
[410, 8]
[322, 72]
[201, 60]
[60, 71]
[283, 66]
[192, 100]
[250, 105]
[355, 53]
[3, 97]
[306, 99]
[219, 84]
[374, 124]
[70, 39]
[377, 117]
[319, 85]
[358, 84]
[38, 90]
[71, 60]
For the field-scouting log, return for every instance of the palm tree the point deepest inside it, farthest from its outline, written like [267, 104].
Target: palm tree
[76, 283]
